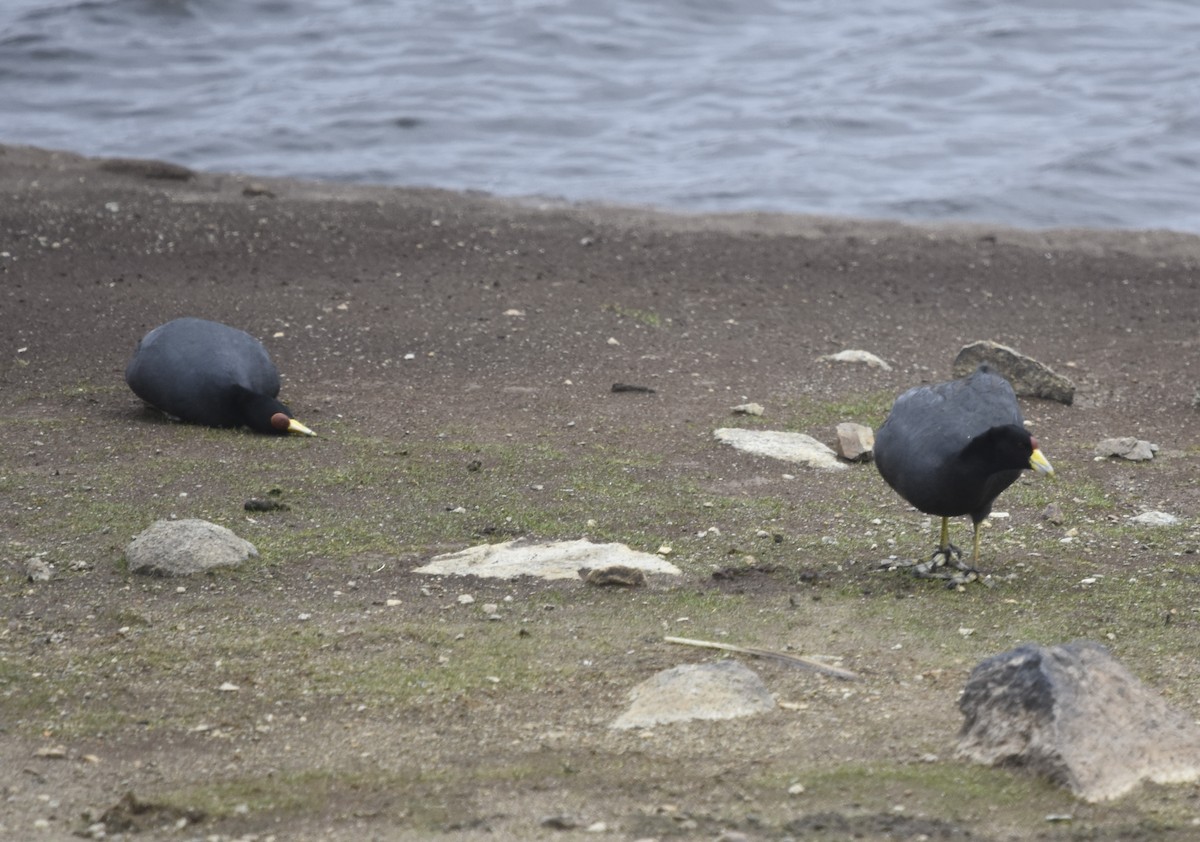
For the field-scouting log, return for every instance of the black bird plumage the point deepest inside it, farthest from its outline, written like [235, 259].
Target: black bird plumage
[951, 448]
[210, 373]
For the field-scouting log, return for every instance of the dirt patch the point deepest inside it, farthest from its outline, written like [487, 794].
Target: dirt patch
[457, 357]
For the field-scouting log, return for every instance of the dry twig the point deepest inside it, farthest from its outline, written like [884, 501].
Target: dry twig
[794, 660]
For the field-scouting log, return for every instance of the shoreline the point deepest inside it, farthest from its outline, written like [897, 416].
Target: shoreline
[1096, 241]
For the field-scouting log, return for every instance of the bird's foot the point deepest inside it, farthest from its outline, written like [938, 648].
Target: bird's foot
[951, 555]
[937, 568]
[953, 578]
[939, 564]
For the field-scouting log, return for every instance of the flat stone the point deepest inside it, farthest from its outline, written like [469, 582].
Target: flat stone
[184, 547]
[1075, 715]
[855, 442]
[722, 690]
[856, 356]
[545, 560]
[1127, 447]
[1028, 377]
[789, 447]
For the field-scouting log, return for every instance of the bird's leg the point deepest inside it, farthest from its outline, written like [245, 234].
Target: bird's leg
[967, 572]
[946, 553]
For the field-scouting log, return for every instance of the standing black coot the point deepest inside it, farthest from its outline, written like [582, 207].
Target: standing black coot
[209, 373]
[951, 448]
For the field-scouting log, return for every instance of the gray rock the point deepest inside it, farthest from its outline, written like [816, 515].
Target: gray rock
[184, 547]
[37, 569]
[723, 690]
[1076, 716]
[1127, 447]
[1028, 377]
[790, 447]
[855, 442]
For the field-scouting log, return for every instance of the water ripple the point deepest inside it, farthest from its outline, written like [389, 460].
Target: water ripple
[1081, 112]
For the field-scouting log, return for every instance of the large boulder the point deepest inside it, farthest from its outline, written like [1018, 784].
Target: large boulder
[1029, 378]
[1076, 716]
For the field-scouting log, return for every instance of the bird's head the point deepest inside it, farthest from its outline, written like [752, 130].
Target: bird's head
[1008, 447]
[266, 414]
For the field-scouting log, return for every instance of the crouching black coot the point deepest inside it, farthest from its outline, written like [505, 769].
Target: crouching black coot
[949, 449]
[209, 373]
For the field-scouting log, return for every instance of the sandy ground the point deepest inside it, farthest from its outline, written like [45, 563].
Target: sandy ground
[456, 354]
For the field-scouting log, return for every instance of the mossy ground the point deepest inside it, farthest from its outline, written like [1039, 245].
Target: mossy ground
[327, 640]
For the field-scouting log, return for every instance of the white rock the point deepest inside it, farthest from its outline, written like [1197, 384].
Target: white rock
[853, 356]
[1154, 519]
[789, 447]
[749, 409]
[558, 560]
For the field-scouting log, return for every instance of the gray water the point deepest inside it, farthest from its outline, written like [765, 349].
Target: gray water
[1055, 112]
